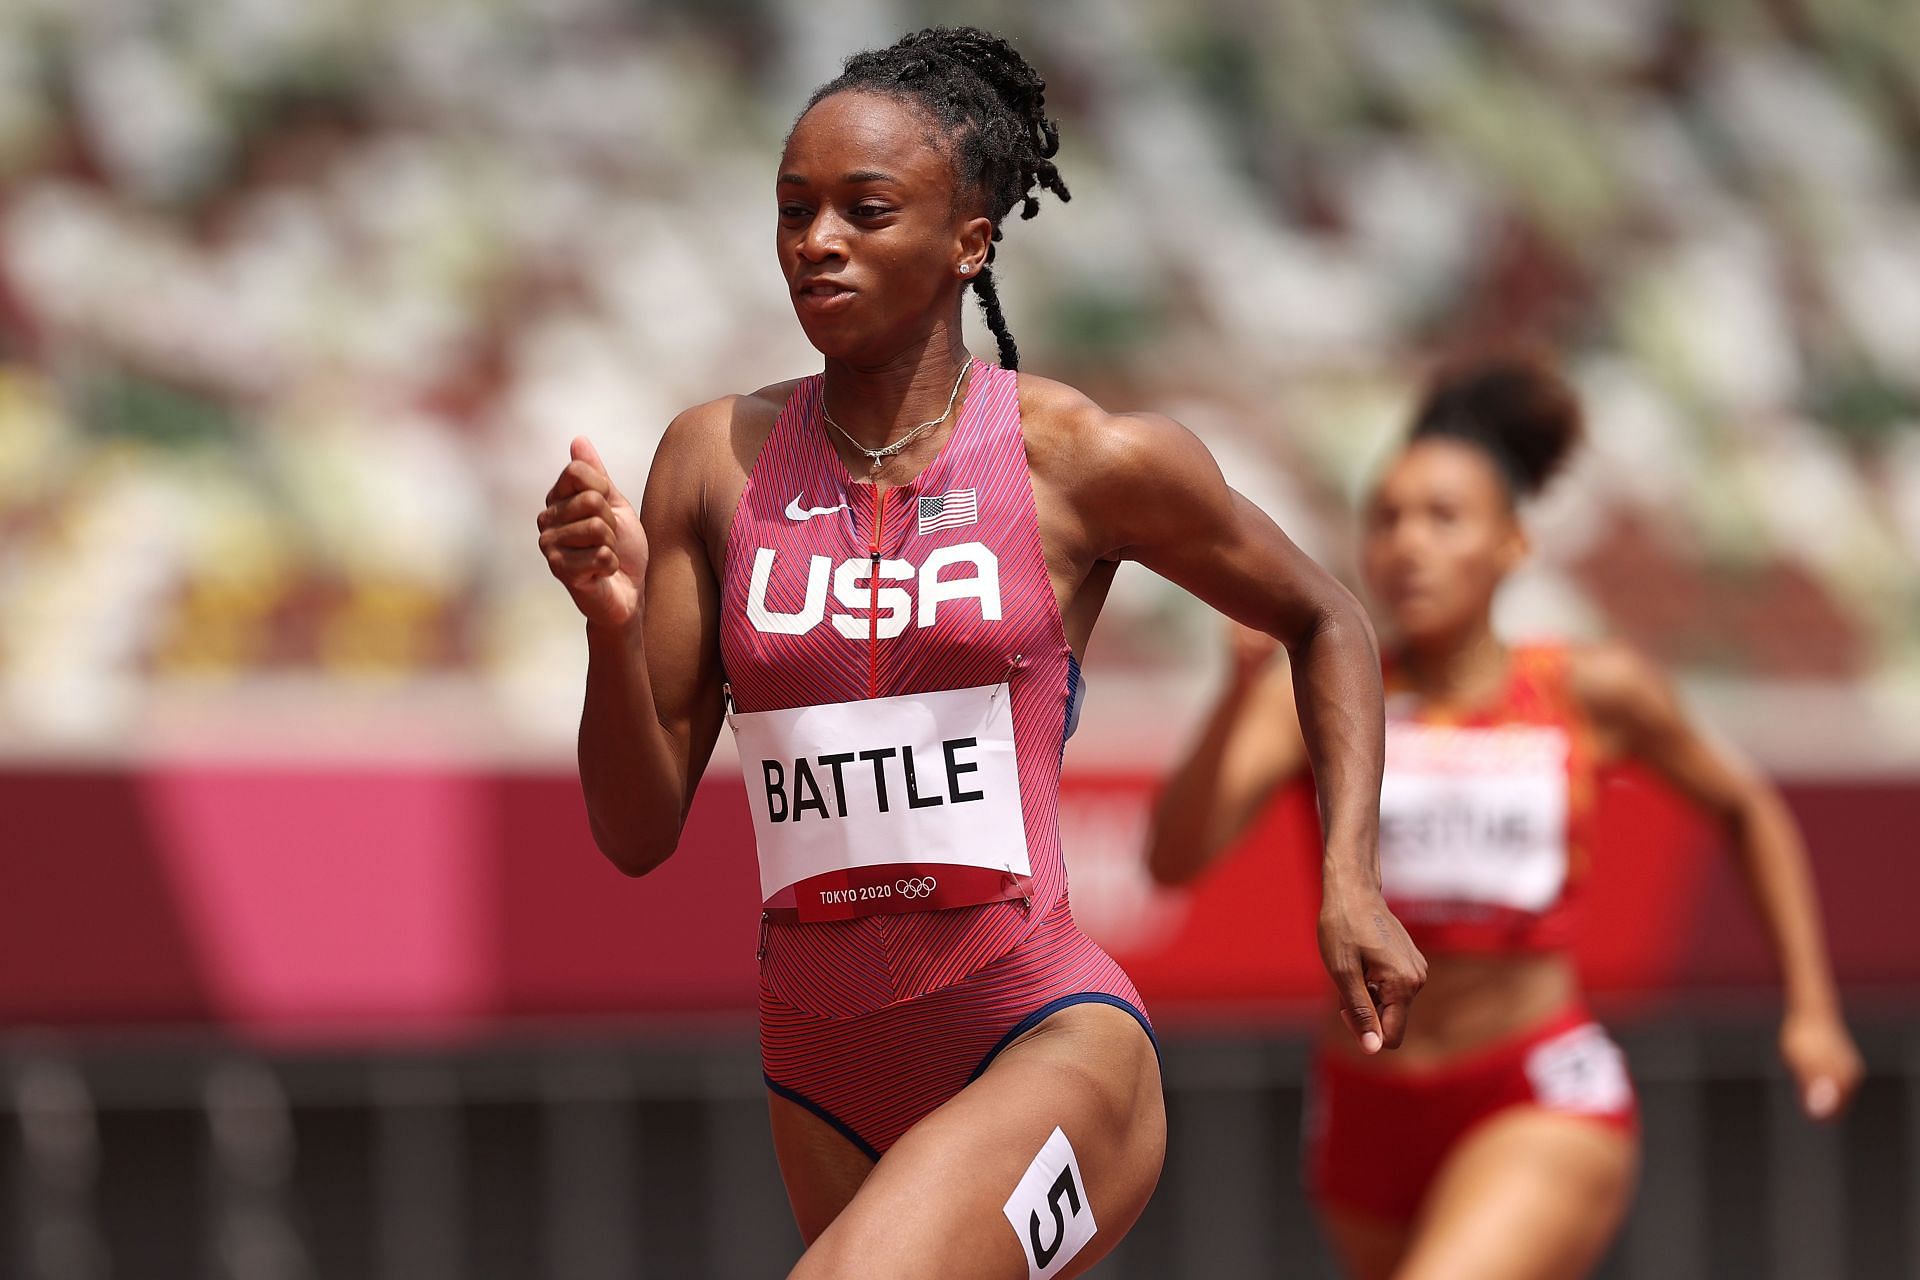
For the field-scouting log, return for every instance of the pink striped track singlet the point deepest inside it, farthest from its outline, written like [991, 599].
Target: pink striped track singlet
[901, 688]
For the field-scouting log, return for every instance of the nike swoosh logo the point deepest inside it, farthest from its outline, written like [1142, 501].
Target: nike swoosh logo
[797, 512]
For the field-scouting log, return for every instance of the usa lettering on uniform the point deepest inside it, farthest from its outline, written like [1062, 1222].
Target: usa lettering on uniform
[874, 611]
[794, 791]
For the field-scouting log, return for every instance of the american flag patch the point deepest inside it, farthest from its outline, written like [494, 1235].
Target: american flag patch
[953, 510]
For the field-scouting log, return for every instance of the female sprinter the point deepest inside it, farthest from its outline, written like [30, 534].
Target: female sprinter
[1500, 1141]
[881, 575]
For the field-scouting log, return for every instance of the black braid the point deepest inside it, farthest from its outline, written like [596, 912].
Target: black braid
[991, 104]
[996, 319]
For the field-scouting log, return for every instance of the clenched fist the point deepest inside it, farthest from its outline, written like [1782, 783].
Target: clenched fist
[1825, 1063]
[1375, 967]
[591, 537]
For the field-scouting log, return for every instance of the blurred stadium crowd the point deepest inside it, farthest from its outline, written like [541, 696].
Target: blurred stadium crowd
[300, 303]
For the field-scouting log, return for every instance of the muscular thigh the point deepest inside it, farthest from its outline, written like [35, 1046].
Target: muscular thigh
[1529, 1195]
[937, 1204]
[821, 1168]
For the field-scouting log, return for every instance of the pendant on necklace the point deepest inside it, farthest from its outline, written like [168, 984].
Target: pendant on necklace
[878, 463]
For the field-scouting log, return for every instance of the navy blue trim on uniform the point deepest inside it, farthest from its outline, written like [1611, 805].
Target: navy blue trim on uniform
[1076, 696]
[841, 1127]
[1052, 1007]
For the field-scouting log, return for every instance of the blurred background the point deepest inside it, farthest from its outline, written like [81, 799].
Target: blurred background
[307, 965]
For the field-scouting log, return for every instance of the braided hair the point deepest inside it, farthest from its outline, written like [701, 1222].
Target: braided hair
[990, 104]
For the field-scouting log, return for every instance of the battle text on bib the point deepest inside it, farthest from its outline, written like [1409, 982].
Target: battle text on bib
[909, 803]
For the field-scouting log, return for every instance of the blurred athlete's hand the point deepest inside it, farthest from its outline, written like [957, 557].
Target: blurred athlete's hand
[1375, 967]
[1820, 1052]
[592, 539]
[1250, 650]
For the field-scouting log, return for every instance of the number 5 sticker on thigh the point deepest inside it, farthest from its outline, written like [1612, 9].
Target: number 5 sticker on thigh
[1049, 1210]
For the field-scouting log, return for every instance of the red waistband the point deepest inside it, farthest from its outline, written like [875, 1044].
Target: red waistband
[894, 888]
[1493, 1056]
[1462, 928]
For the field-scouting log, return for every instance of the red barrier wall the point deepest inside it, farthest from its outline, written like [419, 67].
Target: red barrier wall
[360, 904]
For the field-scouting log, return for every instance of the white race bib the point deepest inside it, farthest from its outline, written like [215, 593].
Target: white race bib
[1474, 815]
[907, 803]
[1050, 1210]
[1580, 1071]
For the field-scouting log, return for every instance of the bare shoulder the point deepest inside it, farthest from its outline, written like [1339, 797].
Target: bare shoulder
[1097, 473]
[1112, 460]
[1056, 416]
[1129, 480]
[1619, 686]
[735, 425]
[701, 466]
[1064, 424]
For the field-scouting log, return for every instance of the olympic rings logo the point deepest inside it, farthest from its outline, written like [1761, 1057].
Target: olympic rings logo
[917, 887]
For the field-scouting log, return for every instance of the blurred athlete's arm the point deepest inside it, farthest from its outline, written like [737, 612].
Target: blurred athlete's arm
[651, 600]
[1148, 490]
[1249, 745]
[1634, 705]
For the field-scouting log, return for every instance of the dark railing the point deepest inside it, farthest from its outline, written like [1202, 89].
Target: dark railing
[603, 1156]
